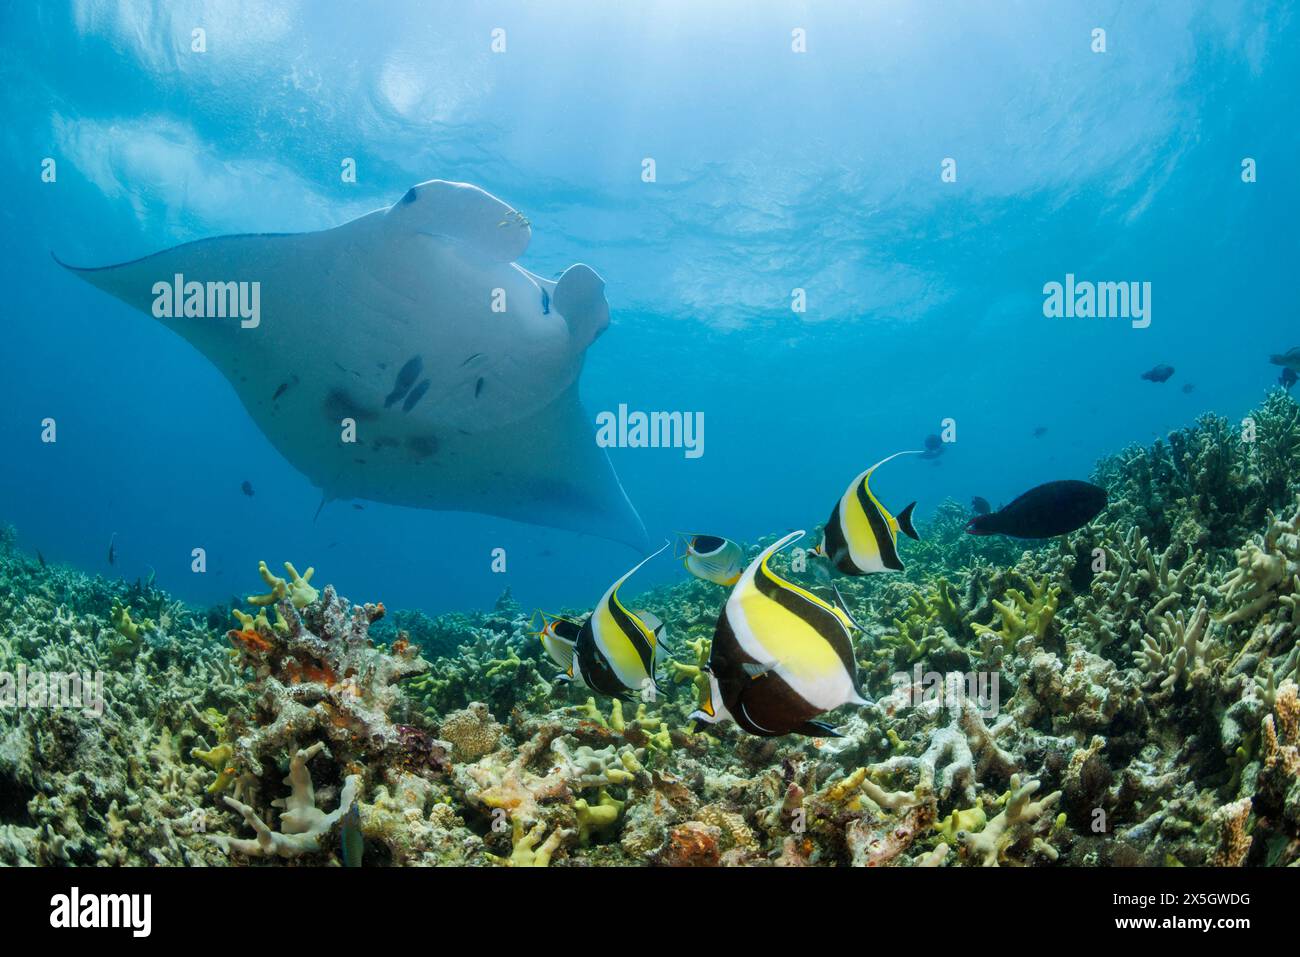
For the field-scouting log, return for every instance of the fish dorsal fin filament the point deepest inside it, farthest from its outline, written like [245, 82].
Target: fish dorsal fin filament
[889, 458]
[761, 562]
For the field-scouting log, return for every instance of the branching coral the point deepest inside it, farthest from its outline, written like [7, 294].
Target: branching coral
[1021, 821]
[297, 588]
[1182, 648]
[958, 754]
[1023, 616]
[1268, 567]
[302, 823]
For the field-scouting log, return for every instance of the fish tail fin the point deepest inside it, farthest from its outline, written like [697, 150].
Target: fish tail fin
[905, 523]
[563, 655]
[817, 729]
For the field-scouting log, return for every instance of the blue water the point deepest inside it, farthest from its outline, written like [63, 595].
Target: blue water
[775, 170]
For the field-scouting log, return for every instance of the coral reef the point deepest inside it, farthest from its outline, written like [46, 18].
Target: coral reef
[1126, 694]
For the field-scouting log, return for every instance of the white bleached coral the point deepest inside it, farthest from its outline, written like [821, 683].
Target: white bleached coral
[302, 823]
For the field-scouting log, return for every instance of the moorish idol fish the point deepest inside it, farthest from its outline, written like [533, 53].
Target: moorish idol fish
[714, 559]
[780, 657]
[861, 536]
[654, 624]
[558, 636]
[616, 649]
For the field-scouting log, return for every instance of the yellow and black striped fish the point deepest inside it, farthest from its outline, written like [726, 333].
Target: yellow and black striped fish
[861, 536]
[717, 560]
[616, 649]
[781, 656]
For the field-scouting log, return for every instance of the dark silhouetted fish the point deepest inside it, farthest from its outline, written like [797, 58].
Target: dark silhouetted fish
[406, 377]
[415, 395]
[1189, 388]
[933, 447]
[980, 506]
[1288, 378]
[112, 549]
[40, 558]
[1040, 431]
[1051, 509]
[247, 488]
[1290, 359]
[358, 506]
[1158, 374]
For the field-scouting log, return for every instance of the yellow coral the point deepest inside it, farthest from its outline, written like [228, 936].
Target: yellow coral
[297, 588]
[694, 673]
[120, 616]
[218, 759]
[1023, 615]
[526, 851]
[596, 818]
[972, 819]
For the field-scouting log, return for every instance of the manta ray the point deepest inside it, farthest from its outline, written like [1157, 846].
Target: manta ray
[404, 357]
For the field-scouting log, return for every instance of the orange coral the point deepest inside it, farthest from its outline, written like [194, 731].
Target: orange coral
[300, 672]
[249, 640]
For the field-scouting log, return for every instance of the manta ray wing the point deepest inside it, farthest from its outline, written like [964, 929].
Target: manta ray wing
[403, 357]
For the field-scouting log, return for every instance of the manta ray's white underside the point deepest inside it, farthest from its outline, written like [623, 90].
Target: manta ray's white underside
[458, 368]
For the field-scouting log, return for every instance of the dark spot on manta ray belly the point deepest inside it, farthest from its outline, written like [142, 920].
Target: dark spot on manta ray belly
[556, 492]
[478, 387]
[340, 405]
[422, 446]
